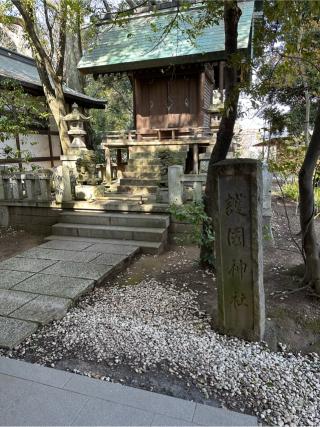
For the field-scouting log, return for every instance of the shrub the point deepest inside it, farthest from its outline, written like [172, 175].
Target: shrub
[202, 231]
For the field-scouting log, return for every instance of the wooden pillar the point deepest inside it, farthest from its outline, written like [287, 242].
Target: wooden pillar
[195, 152]
[50, 147]
[107, 156]
[221, 78]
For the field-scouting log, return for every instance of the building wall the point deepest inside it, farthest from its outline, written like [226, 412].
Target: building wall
[43, 147]
[167, 102]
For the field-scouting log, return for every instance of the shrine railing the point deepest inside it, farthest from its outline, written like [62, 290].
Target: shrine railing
[184, 187]
[26, 186]
[130, 137]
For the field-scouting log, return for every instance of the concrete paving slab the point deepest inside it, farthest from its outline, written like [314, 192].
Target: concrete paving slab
[12, 300]
[68, 245]
[26, 400]
[145, 400]
[25, 264]
[162, 420]
[59, 255]
[112, 249]
[109, 259]
[43, 309]
[10, 391]
[41, 405]
[14, 331]
[46, 284]
[74, 269]
[101, 413]
[34, 372]
[9, 278]
[210, 416]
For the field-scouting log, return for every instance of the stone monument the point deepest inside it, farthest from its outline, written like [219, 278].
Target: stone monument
[62, 184]
[239, 244]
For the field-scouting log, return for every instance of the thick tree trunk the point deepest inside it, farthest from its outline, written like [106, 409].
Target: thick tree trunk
[232, 15]
[309, 238]
[58, 109]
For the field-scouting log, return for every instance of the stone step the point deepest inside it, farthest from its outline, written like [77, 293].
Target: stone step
[156, 157]
[144, 161]
[123, 219]
[159, 148]
[157, 169]
[145, 246]
[142, 175]
[139, 182]
[136, 189]
[111, 232]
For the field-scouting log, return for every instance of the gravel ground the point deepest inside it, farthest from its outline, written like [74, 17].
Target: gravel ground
[158, 324]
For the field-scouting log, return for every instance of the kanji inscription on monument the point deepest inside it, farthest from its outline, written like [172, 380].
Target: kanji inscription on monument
[238, 244]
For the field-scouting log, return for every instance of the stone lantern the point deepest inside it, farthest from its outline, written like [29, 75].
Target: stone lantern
[76, 127]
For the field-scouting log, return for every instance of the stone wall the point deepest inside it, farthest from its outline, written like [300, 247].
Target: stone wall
[36, 220]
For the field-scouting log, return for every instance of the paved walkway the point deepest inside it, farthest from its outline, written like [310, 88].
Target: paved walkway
[40, 284]
[35, 395]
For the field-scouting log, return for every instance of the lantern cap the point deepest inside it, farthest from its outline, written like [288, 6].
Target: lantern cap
[75, 115]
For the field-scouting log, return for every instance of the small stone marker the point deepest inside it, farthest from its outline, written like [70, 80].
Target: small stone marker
[239, 240]
[61, 176]
[175, 185]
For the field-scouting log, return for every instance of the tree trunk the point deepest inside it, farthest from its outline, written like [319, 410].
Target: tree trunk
[51, 76]
[57, 107]
[232, 15]
[309, 238]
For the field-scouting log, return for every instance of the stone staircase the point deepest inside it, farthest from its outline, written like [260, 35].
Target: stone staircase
[147, 168]
[147, 230]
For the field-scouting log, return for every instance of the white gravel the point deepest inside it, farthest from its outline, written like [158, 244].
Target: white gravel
[153, 323]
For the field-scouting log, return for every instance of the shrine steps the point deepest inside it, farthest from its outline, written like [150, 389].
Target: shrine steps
[139, 181]
[140, 189]
[148, 231]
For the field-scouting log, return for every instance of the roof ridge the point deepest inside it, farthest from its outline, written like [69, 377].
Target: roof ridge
[18, 56]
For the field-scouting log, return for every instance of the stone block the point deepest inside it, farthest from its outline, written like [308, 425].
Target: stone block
[75, 269]
[88, 192]
[112, 249]
[14, 331]
[4, 216]
[238, 241]
[11, 300]
[110, 259]
[25, 264]
[2, 191]
[66, 245]
[58, 255]
[43, 309]
[47, 284]
[9, 278]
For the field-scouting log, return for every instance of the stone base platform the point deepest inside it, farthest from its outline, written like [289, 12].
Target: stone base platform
[41, 284]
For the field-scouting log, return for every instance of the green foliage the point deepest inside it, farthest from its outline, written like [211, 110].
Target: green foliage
[117, 91]
[290, 155]
[20, 114]
[291, 191]
[286, 60]
[202, 232]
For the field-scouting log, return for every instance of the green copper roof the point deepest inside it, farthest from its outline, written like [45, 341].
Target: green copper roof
[136, 46]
